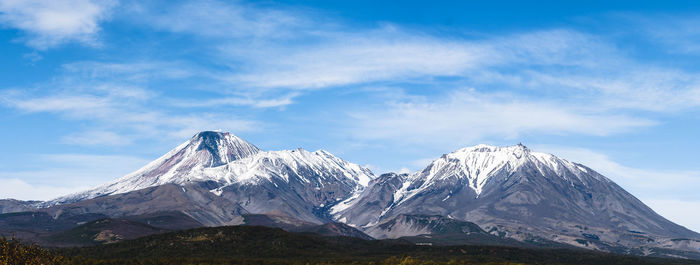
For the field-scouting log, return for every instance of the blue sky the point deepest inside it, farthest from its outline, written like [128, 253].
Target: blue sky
[91, 90]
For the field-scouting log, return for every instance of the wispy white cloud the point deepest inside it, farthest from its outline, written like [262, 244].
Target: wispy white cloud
[268, 55]
[678, 34]
[50, 23]
[96, 137]
[404, 170]
[126, 79]
[115, 103]
[467, 116]
[118, 112]
[281, 101]
[18, 189]
[626, 87]
[110, 111]
[231, 19]
[275, 47]
[359, 59]
[128, 71]
[422, 163]
[73, 105]
[60, 174]
[32, 57]
[394, 54]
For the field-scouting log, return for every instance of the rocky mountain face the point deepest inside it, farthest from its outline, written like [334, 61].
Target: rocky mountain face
[516, 193]
[440, 230]
[482, 194]
[415, 225]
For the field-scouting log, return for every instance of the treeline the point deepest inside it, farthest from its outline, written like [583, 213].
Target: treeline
[261, 245]
[15, 252]
[12, 251]
[264, 245]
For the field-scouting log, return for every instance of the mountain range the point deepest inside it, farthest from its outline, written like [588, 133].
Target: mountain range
[475, 195]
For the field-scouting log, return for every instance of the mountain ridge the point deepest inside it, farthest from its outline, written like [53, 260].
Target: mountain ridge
[514, 192]
[511, 192]
[226, 160]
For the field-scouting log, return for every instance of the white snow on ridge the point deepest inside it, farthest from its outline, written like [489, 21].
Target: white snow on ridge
[347, 203]
[280, 163]
[477, 164]
[227, 159]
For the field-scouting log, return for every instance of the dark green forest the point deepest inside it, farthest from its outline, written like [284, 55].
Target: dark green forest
[263, 245]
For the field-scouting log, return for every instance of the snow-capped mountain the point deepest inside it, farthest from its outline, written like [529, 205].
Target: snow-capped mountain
[293, 182]
[511, 192]
[468, 170]
[514, 192]
[187, 162]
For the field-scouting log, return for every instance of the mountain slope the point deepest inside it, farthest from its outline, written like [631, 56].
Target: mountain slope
[103, 231]
[220, 177]
[186, 163]
[194, 200]
[514, 192]
[12, 206]
[413, 225]
[364, 207]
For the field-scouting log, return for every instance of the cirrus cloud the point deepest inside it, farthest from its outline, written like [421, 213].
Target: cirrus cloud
[52, 23]
[463, 117]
